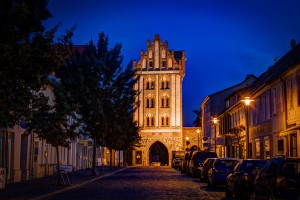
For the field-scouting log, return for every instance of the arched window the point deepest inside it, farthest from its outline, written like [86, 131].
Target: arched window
[152, 103]
[165, 101]
[165, 84]
[164, 121]
[150, 120]
[150, 84]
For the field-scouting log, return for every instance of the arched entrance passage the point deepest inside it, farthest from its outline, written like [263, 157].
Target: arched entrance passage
[158, 152]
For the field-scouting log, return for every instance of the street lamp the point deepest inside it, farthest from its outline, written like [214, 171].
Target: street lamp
[247, 102]
[187, 142]
[198, 133]
[215, 121]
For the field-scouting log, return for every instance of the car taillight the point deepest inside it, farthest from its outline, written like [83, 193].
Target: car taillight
[246, 177]
[280, 181]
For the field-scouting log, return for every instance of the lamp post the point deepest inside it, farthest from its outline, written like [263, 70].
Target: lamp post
[215, 121]
[247, 102]
[198, 133]
[187, 143]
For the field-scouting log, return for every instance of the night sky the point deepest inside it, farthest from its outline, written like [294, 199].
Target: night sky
[224, 40]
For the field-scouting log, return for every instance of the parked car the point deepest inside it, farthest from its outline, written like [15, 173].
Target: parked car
[207, 164]
[184, 163]
[278, 179]
[197, 159]
[177, 157]
[221, 168]
[239, 182]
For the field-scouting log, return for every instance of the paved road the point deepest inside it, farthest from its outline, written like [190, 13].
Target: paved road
[143, 183]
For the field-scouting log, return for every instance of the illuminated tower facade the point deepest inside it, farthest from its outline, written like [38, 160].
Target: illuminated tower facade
[159, 114]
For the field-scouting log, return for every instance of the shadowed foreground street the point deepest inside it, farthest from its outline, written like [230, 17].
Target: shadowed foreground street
[143, 183]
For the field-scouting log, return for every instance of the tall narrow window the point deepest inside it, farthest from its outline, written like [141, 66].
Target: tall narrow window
[152, 103]
[167, 84]
[167, 121]
[298, 88]
[162, 121]
[148, 103]
[152, 85]
[167, 102]
[152, 121]
[162, 102]
[162, 85]
[148, 121]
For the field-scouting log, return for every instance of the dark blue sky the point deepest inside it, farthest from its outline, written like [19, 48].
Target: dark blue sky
[224, 40]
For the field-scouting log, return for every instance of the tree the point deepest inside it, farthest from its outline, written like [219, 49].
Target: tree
[103, 91]
[198, 121]
[28, 55]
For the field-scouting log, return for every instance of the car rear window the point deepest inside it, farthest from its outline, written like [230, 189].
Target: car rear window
[291, 167]
[251, 165]
[229, 164]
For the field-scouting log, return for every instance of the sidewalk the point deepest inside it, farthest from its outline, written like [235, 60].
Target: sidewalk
[39, 188]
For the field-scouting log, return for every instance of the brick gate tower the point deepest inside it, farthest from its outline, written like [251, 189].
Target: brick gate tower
[159, 114]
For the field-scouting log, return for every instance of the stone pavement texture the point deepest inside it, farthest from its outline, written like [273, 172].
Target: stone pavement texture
[42, 187]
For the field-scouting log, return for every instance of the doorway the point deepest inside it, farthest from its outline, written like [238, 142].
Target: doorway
[158, 152]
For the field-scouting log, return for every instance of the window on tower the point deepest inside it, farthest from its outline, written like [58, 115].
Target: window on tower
[165, 102]
[165, 84]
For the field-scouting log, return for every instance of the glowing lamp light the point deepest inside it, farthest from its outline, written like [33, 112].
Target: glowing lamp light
[215, 120]
[247, 101]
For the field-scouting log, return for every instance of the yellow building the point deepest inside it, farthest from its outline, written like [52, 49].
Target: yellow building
[159, 114]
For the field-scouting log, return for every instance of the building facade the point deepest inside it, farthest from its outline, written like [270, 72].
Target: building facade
[270, 125]
[159, 114]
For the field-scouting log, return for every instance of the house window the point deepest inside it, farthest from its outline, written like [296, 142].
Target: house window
[167, 121]
[152, 85]
[165, 84]
[298, 88]
[150, 64]
[163, 64]
[162, 121]
[150, 121]
[165, 102]
[293, 145]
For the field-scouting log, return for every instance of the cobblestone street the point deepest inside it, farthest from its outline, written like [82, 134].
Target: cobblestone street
[143, 183]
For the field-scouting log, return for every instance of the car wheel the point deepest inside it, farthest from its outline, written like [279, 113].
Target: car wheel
[208, 182]
[201, 179]
[212, 184]
[252, 195]
[228, 194]
[270, 196]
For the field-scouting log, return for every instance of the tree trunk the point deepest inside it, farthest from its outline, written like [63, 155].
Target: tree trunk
[94, 157]
[119, 158]
[110, 163]
[57, 161]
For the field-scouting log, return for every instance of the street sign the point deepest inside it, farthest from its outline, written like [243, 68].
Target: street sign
[24, 124]
[66, 168]
[2, 178]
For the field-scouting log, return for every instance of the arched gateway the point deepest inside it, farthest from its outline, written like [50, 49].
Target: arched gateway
[158, 153]
[159, 113]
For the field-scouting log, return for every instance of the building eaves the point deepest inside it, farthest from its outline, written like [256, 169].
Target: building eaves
[275, 71]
